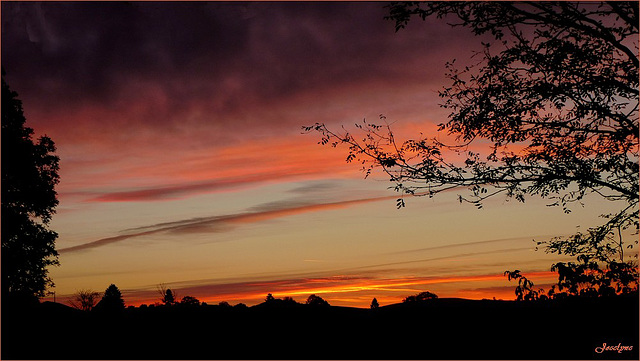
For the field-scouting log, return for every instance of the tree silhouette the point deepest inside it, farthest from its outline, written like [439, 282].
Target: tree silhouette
[190, 301]
[524, 290]
[111, 301]
[314, 300]
[550, 109]
[167, 296]
[29, 176]
[583, 279]
[374, 304]
[269, 298]
[84, 299]
[587, 278]
[287, 300]
[420, 297]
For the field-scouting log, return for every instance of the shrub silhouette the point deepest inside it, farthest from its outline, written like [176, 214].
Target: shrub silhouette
[84, 299]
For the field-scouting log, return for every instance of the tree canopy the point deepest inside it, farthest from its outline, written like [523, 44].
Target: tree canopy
[548, 108]
[314, 300]
[374, 304]
[111, 301]
[168, 298]
[420, 297]
[29, 176]
[84, 299]
[190, 301]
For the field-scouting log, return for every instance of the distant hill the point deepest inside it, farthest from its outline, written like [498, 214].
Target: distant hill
[434, 329]
[58, 308]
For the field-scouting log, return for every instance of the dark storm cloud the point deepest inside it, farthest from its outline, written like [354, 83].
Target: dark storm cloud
[89, 49]
[205, 58]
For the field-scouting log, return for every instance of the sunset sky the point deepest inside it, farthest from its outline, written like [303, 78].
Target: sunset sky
[183, 161]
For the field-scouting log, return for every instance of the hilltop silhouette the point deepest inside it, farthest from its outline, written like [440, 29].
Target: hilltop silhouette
[443, 328]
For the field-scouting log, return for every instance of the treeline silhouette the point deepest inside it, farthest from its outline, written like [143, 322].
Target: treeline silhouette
[422, 327]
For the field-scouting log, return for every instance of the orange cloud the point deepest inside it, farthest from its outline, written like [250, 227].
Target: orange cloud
[181, 174]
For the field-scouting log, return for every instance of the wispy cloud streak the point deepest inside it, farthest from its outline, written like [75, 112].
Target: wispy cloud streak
[466, 244]
[460, 255]
[211, 224]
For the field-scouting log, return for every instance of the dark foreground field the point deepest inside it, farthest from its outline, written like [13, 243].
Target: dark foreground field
[436, 329]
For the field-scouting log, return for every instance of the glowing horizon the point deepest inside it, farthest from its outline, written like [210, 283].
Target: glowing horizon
[342, 290]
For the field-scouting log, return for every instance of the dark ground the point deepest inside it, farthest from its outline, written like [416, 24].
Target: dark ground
[435, 329]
